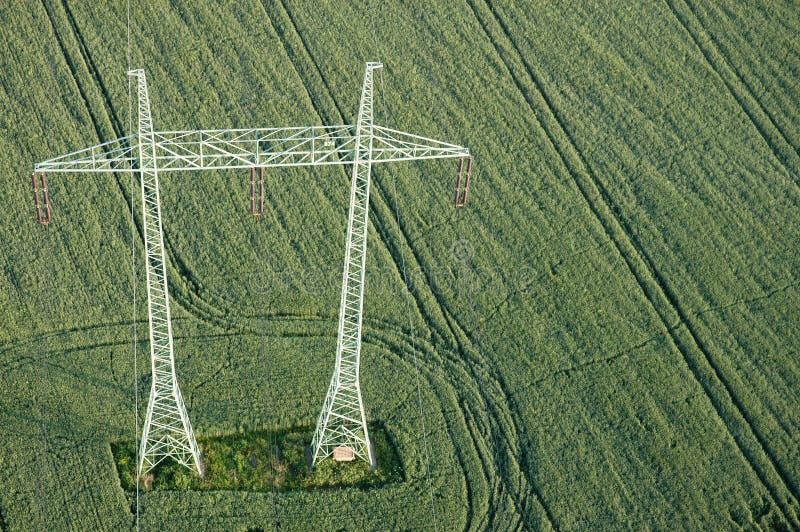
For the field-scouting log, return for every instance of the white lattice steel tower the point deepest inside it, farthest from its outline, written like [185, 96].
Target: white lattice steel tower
[167, 430]
[342, 422]
[342, 425]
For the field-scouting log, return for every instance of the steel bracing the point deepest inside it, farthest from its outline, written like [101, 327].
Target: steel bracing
[216, 149]
[167, 430]
[342, 423]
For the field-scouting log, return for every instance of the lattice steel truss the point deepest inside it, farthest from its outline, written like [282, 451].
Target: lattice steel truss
[167, 431]
[213, 149]
[342, 422]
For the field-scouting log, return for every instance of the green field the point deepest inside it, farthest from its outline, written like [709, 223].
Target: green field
[607, 335]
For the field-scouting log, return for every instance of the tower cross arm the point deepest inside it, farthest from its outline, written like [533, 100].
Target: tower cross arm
[116, 155]
[390, 145]
[214, 149]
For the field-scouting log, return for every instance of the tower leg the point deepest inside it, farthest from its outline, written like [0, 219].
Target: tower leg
[167, 431]
[342, 425]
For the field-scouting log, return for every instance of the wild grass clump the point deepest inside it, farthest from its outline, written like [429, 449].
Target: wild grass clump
[262, 461]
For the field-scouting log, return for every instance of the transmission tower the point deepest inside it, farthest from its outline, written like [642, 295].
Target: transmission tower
[167, 430]
[342, 428]
[342, 423]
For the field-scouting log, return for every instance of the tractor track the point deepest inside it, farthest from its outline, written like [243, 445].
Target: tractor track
[73, 72]
[187, 292]
[477, 435]
[43, 463]
[191, 300]
[398, 348]
[231, 331]
[469, 392]
[727, 405]
[761, 119]
[314, 99]
[449, 316]
[390, 344]
[446, 331]
[391, 335]
[116, 124]
[452, 333]
[90, 66]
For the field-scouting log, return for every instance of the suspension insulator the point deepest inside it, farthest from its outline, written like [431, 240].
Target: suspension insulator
[46, 218]
[253, 191]
[36, 198]
[41, 198]
[261, 192]
[462, 181]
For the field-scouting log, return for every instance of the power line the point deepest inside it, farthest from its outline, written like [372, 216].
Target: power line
[133, 270]
[42, 460]
[408, 302]
[272, 443]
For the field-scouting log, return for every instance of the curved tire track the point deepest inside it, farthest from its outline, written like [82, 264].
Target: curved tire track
[502, 457]
[187, 295]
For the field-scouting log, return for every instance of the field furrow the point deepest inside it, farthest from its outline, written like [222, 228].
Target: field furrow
[379, 207]
[703, 362]
[651, 283]
[381, 212]
[761, 119]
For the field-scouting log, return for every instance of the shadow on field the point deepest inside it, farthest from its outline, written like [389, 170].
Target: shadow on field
[263, 461]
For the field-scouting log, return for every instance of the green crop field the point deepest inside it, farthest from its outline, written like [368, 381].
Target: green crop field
[605, 337]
